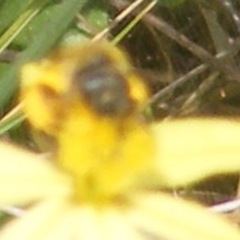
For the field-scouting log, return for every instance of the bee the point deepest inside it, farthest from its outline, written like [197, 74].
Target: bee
[89, 98]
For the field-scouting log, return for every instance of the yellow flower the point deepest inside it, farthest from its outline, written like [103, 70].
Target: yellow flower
[107, 163]
[53, 213]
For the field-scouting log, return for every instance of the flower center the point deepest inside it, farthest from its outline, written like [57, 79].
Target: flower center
[108, 159]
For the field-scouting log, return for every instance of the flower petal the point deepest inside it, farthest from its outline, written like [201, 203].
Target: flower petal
[63, 227]
[116, 226]
[36, 222]
[107, 223]
[192, 149]
[25, 177]
[87, 224]
[162, 216]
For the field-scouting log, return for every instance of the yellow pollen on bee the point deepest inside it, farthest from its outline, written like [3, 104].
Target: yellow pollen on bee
[104, 153]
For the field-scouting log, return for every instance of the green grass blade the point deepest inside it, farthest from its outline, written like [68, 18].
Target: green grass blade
[44, 40]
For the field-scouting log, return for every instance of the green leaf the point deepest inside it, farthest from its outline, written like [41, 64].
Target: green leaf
[96, 14]
[20, 23]
[10, 11]
[11, 121]
[47, 36]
